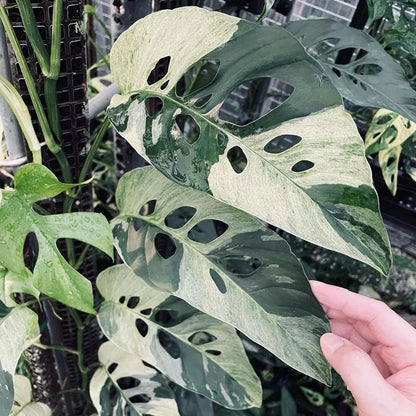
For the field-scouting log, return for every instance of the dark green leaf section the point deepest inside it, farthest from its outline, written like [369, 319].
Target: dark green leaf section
[373, 78]
[6, 392]
[246, 276]
[52, 274]
[194, 350]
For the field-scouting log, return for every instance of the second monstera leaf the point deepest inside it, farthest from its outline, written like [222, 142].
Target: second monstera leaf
[224, 262]
[194, 350]
[300, 167]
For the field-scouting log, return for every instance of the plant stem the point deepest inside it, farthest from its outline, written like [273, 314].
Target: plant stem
[81, 257]
[32, 32]
[58, 348]
[55, 149]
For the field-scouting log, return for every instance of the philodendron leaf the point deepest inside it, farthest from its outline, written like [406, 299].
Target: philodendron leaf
[23, 405]
[52, 274]
[386, 136]
[125, 386]
[244, 274]
[18, 330]
[374, 78]
[194, 350]
[285, 167]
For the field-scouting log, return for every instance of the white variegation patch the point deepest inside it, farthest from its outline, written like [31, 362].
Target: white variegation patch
[158, 399]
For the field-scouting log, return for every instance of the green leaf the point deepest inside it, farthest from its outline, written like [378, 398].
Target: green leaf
[192, 404]
[18, 330]
[194, 350]
[11, 283]
[386, 136]
[124, 385]
[247, 276]
[23, 405]
[245, 166]
[314, 398]
[374, 78]
[52, 274]
[287, 403]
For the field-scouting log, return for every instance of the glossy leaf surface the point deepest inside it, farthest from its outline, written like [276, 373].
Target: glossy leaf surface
[52, 274]
[386, 136]
[243, 274]
[174, 123]
[194, 350]
[18, 330]
[373, 78]
[125, 386]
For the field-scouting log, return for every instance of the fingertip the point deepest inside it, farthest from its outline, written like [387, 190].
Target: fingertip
[330, 343]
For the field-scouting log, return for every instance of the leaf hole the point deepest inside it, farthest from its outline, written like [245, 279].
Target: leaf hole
[30, 249]
[201, 102]
[219, 282]
[337, 72]
[148, 208]
[368, 69]
[363, 86]
[241, 105]
[146, 312]
[303, 166]
[142, 327]
[164, 245]
[166, 318]
[221, 139]
[198, 77]
[207, 230]
[179, 217]
[128, 382]
[137, 224]
[164, 85]
[390, 161]
[133, 302]
[169, 344]
[112, 367]
[282, 143]
[237, 159]
[201, 338]
[188, 128]
[122, 299]
[159, 71]
[154, 106]
[325, 47]
[140, 398]
[240, 265]
[384, 119]
[213, 352]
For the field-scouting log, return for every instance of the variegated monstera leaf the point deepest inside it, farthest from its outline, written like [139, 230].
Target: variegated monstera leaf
[224, 262]
[386, 136]
[194, 350]
[300, 167]
[123, 385]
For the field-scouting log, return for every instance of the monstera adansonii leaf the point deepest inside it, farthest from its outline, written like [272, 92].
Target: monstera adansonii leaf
[123, 385]
[373, 79]
[52, 274]
[300, 167]
[243, 273]
[18, 330]
[194, 350]
[386, 136]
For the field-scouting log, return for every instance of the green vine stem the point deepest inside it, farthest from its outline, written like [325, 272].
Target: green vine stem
[54, 147]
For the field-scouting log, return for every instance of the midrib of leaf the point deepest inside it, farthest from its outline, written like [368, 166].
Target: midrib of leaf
[121, 391]
[229, 280]
[152, 323]
[248, 149]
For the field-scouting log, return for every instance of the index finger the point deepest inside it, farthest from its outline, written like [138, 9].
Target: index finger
[389, 328]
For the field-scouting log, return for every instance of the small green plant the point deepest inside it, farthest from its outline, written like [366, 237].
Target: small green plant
[198, 262]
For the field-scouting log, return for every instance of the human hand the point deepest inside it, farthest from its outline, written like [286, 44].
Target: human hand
[372, 348]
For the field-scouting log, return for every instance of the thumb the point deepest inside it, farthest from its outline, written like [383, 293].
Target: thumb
[374, 396]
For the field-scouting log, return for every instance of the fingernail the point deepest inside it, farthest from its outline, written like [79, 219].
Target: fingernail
[331, 342]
